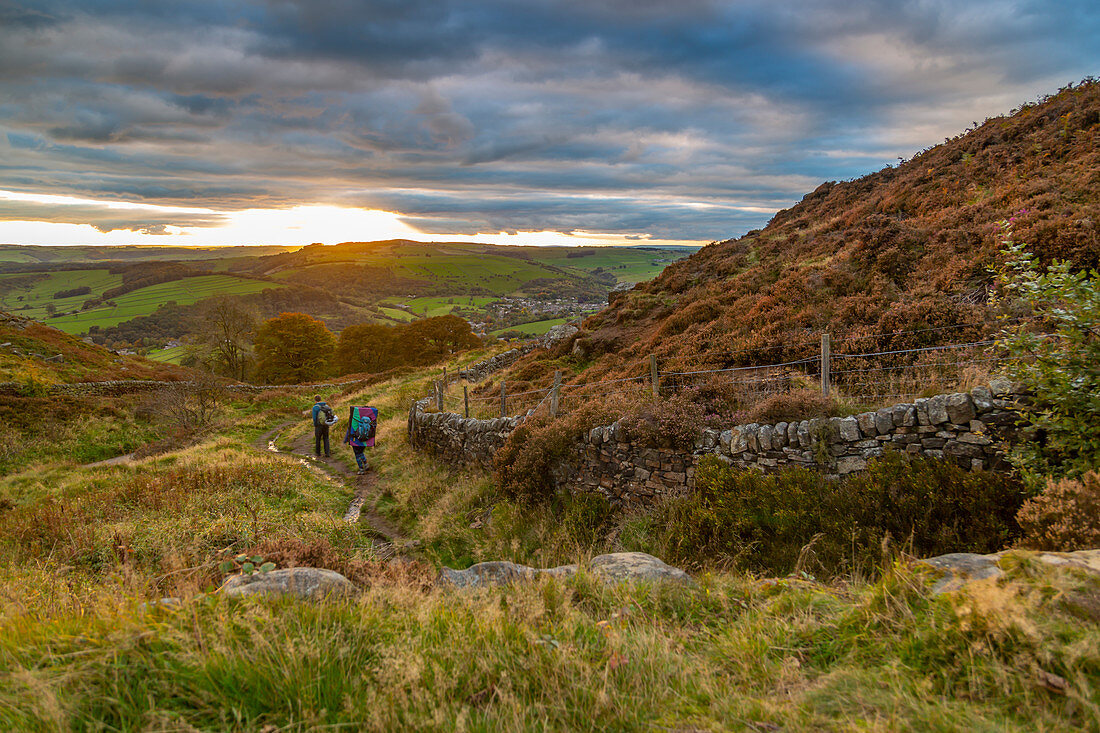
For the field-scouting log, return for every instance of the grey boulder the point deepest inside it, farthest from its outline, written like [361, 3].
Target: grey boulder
[307, 583]
[614, 568]
[632, 566]
[497, 572]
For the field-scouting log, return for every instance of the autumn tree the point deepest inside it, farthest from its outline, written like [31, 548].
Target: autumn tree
[366, 347]
[226, 328]
[292, 348]
[432, 339]
[370, 347]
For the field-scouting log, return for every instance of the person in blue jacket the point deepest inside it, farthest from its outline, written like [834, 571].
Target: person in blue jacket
[323, 418]
[362, 423]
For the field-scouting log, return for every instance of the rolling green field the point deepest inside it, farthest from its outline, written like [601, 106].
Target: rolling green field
[146, 300]
[172, 355]
[431, 307]
[39, 293]
[21, 253]
[627, 264]
[398, 314]
[536, 328]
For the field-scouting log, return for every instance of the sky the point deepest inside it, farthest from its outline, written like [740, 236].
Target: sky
[510, 121]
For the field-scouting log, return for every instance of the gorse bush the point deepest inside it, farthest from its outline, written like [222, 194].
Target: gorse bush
[762, 522]
[1065, 516]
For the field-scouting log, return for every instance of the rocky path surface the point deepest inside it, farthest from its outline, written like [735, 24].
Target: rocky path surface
[366, 488]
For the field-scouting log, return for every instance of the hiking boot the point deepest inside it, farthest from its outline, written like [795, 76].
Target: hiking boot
[327, 456]
[361, 471]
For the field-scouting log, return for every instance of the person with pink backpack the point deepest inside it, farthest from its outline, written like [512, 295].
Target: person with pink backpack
[362, 426]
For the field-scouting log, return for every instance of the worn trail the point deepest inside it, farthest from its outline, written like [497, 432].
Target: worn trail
[365, 487]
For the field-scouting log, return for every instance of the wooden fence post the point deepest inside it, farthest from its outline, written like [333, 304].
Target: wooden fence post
[503, 399]
[826, 366]
[555, 394]
[439, 395]
[654, 375]
[444, 377]
[466, 398]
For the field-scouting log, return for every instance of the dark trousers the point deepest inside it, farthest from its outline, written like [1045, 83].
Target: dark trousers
[320, 433]
[360, 459]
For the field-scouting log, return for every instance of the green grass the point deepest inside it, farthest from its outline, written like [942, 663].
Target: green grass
[84, 552]
[146, 300]
[536, 328]
[431, 307]
[398, 314]
[171, 355]
[41, 292]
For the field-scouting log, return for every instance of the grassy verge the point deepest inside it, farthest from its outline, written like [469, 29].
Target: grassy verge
[733, 654]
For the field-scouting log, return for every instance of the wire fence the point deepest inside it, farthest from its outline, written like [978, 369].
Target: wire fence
[844, 369]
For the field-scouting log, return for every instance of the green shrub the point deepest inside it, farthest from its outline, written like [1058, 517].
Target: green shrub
[762, 522]
[1065, 516]
[1057, 366]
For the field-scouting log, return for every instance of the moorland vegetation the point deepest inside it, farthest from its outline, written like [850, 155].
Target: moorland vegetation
[807, 611]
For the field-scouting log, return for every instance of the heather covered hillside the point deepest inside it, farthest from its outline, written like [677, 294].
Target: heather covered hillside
[909, 248]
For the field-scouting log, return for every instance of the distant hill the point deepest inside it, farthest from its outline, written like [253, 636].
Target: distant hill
[907, 248]
[33, 353]
[147, 295]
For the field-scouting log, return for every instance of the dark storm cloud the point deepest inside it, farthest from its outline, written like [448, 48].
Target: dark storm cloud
[692, 119]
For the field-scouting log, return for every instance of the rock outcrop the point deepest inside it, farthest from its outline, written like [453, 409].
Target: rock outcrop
[618, 567]
[957, 569]
[306, 583]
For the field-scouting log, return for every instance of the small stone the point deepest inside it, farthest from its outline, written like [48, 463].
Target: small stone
[848, 427]
[779, 438]
[975, 439]
[937, 410]
[764, 437]
[904, 415]
[960, 408]
[850, 464]
[804, 433]
[884, 421]
[867, 423]
[983, 399]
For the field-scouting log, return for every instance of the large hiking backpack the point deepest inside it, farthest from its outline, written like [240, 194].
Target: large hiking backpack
[327, 416]
[362, 425]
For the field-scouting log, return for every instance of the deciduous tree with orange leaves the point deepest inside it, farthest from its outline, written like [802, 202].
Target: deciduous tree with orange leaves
[293, 348]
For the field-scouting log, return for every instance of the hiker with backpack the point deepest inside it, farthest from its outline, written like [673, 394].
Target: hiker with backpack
[323, 419]
[362, 424]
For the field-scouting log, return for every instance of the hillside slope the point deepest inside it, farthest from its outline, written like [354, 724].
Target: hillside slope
[36, 354]
[907, 248]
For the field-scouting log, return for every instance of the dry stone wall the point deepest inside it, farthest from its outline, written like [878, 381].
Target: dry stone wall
[971, 429]
[456, 439]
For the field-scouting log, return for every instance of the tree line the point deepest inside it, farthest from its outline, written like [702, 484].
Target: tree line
[293, 348]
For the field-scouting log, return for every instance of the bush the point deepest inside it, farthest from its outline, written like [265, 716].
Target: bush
[803, 404]
[1057, 366]
[526, 464]
[762, 522]
[668, 423]
[1065, 516]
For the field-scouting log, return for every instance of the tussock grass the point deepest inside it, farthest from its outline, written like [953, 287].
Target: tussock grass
[86, 644]
[731, 654]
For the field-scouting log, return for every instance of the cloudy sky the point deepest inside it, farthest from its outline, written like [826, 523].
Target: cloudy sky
[518, 121]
